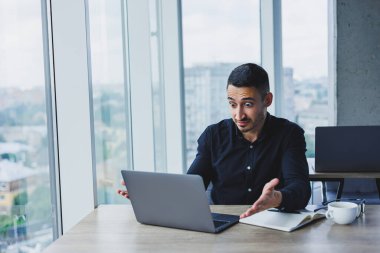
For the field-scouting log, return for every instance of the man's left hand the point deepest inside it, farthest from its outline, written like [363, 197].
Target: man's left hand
[268, 199]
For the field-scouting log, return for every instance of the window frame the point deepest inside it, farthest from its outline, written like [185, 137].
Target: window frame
[68, 69]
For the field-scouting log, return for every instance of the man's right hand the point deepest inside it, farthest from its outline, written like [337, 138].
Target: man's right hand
[123, 193]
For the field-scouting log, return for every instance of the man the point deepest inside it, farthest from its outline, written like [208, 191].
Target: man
[253, 157]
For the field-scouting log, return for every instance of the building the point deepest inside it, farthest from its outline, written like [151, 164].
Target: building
[205, 100]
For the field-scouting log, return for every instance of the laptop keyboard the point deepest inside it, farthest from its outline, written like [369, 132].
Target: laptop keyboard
[219, 223]
[221, 219]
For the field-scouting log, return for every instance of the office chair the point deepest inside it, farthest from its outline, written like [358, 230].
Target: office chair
[367, 189]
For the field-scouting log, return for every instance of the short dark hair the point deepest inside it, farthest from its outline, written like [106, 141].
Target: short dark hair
[250, 75]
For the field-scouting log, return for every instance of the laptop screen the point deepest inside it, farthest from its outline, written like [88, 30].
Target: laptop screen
[171, 200]
[347, 149]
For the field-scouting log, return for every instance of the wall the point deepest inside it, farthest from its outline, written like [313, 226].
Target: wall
[358, 70]
[358, 62]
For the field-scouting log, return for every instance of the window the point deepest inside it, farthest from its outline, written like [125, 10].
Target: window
[217, 37]
[305, 66]
[27, 219]
[158, 91]
[134, 55]
[110, 100]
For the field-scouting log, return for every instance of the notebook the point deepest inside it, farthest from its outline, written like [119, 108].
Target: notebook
[173, 200]
[275, 219]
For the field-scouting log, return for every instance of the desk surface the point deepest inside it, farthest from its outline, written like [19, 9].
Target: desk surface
[329, 175]
[113, 228]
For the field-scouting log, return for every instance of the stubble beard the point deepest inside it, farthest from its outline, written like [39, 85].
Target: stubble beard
[253, 125]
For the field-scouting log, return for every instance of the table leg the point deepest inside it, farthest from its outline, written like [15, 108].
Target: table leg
[340, 189]
[312, 192]
[324, 191]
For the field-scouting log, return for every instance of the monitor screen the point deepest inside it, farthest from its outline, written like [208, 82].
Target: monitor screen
[347, 149]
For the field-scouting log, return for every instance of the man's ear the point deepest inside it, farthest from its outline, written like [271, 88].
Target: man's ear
[268, 99]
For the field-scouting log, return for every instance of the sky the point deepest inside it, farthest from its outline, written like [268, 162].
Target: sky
[21, 58]
[226, 30]
[221, 31]
[213, 31]
[305, 37]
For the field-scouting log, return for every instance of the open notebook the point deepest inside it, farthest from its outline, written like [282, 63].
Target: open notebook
[288, 222]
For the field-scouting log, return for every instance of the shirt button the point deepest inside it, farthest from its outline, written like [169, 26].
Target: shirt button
[249, 167]
[251, 147]
[249, 189]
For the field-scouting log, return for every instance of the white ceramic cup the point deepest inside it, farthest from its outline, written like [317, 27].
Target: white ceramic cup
[342, 212]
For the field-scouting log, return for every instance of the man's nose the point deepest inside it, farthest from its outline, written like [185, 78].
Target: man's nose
[239, 113]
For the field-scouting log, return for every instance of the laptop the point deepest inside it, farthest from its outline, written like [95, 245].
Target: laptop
[173, 200]
[347, 149]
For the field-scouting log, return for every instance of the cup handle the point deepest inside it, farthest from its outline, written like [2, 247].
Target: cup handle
[329, 214]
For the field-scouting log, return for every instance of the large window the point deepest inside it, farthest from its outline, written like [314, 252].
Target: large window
[305, 65]
[133, 79]
[110, 102]
[217, 37]
[27, 217]
[134, 58]
[158, 91]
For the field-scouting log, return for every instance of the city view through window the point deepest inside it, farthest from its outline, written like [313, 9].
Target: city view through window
[304, 53]
[26, 214]
[216, 41]
[108, 97]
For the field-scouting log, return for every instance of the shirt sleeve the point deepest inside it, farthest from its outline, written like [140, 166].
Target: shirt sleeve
[202, 164]
[296, 190]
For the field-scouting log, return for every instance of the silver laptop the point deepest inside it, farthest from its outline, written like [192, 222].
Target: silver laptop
[173, 200]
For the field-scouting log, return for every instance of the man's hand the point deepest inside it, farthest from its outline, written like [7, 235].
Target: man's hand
[268, 199]
[123, 193]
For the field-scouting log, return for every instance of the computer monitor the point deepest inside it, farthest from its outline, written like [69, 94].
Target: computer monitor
[347, 149]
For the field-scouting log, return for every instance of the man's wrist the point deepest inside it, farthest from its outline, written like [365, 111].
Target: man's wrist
[278, 198]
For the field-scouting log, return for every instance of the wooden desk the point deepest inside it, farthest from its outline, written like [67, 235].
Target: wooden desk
[339, 177]
[113, 228]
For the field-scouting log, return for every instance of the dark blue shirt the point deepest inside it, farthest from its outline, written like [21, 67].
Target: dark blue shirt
[239, 169]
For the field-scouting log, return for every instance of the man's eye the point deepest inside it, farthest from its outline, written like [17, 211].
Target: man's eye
[248, 104]
[232, 105]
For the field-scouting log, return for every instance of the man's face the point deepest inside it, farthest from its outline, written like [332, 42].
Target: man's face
[248, 108]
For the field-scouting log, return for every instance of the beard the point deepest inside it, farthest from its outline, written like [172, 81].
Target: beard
[251, 124]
